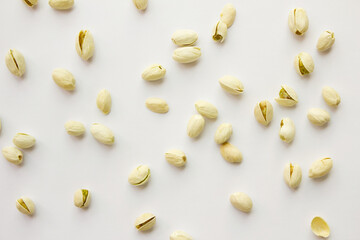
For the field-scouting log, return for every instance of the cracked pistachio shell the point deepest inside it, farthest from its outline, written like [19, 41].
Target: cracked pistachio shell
[195, 126]
[320, 168]
[103, 101]
[74, 128]
[13, 155]
[186, 54]
[231, 84]
[180, 235]
[153, 72]
[145, 222]
[331, 97]
[15, 62]
[176, 157]
[25, 205]
[102, 133]
[157, 105]
[84, 44]
[219, 32]
[287, 96]
[140, 4]
[61, 4]
[292, 175]
[206, 109]
[326, 40]
[223, 133]
[23, 140]
[228, 14]
[140, 175]
[30, 3]
[241, 201]
[82, 198]
[320, 227]
[287, 130]
[184, 37]
[64, 79]
[263, 112]
[298, 21]
[230, 153]
[318, 116]
[304, 64]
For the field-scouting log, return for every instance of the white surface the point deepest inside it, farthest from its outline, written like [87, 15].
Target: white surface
[259, 50]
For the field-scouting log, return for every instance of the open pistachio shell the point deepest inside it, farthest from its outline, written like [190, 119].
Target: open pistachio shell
[320, 228]
[287, 96]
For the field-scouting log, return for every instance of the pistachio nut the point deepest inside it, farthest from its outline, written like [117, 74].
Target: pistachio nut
[219, 31]
[298, 21]
[228, 14]
[318, 116]
[103, 101]
[157, 105]
[82, 198]
[287, 130]
[140, 4]
[30, 3]
[176, 157]
[23, 140]
[15, 62]
[223, 133]
[287, 96]
[241, 201]
[320, 167]
[180, 235]
[102, 133]
[292, 175]
[304, 64]
[25, 205]
[145, 222]
[153, 72]
[231, 84]
[140, 175]
[64, 79]
[263, 112]
[320, 227]
[186, 54]
[206, 109]
[184, 37]
[74, 128]
[195, 126]
[61, 4]
[230, 153]
[331, 97]
[326, 40]
[13, 155]
[84, 44]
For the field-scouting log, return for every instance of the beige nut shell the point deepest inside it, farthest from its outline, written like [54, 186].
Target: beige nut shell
[241, 201]
[145, 222]
[263, 112]
[320, 227]
[25, 205]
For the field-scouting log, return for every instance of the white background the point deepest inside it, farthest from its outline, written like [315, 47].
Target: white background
[259, 50]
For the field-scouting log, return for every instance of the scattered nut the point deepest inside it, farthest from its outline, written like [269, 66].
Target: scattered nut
[13, 155]
[287, 96]
[320, 168]
[102, 133]
[298, 21]
[231, 84]
[145, 222]
[331, 97]
[61, 4]
[219, 32]
[175, 157]
[184, 37]
[287, 130]
[241, 201]
[195, 126]
[292, 175]
[263, 112]
[84, 44]
[206, 109]
[82, 198]
[31, 3]
[23, 140]
[186, 54]
[180, 235]
[230, 153]
[228, 14]
[304, 64]
[157, 105]
[64, 79]
[140, 4]
[318, 116]
[326, 40]
[153, 73]
[320, 227]
[140, 175]
[103, 101]
[74, 128]
[25, 205]
[223, 133]
[15, 62]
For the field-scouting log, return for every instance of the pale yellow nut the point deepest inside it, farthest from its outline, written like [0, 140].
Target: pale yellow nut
[228, 14]
[153, 73]
[292, 175]
[263, 112]
[82, 198]
[287, 130]
[231, 153]
[180, 235]
[241, 201]
[184, 37]
[195, 126]
[320, 227]
[74, 128]
[84, 44]
[219, 32]
[157, 105]
[176, 157]
[331, 96]
[318, 116]
[298, 21]
[64, 79]
[61, 4]
[186, 54]
[287, 96]
[140, 175]
[223, 133]
[231, 84]
[320, 168]
[25, 205]
[304, 64]
[23, 140]
[325, 41]
[140, 4]
[30, 3]
[103, 101]
[15, 62]
[206, 109]
[145, 222]
[13, 155]
[102, 133]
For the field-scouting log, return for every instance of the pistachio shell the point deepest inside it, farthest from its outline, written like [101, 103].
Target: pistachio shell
[223, 133]
[326, 40]
[287, 130]
[25, 205]
[176, 157]
[102, 133]
[145, 222]
[140, 175]
[140, 4]
[15, 62]
[103, 101]
[64, 79]
[228, 14]
[241, 201]
[298, 21]
[206, 109]
[184, 37]
[61, 4]
[331, 97]
[186, 54]
[195, 126]
[230, 153]
[219, 31]
[320, 168]
[84, 44]
[304, 64]
[263, 112]
[287, 96]
[231, 84]
[320, 227]
[153, 73]
[31, 3]
[180, 235]
[292, 175]
[74, 128]
[23, 140]
[82, 198]
[13, 155]
[157, 105]
[318, 116]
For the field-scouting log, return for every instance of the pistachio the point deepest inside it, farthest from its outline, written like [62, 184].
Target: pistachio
[206, 109]
[140, 175]
[175, 157]
[103, 101]
[157, 105]
[320, 227]
[180, 235]
[140, 4]
[318, 116]
[228, 14]
[102, 133]
[219, 31]
[326, 40]
[331, 97]
[64, 79]
[292, 175]
[195, 126]
[184, 37]
[287, 130]
[61, 4]
[241, 201]
[230, 153]
[287, 96]
[74, 128]
[15, 62]
[186, 54]
[223, 133]
[263, 112]
[25, 205]
[82, 198]
[320, 168]
[30, 3]
[231, 84]
[153, 72]
[85, 44]
[23, 140]
[13, 155]
[298, 21]
[304, 64]
[145, 222]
